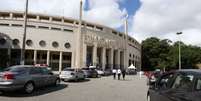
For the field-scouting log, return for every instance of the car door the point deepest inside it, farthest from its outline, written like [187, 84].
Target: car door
[196, 95]
[180, 90]
[36, 76]
[47, 76]
[157, 93]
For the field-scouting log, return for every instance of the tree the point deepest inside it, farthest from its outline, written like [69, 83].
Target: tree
[161, 54]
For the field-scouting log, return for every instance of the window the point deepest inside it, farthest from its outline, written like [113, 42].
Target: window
[67, 45]
[35, 70]
[68, 30]
[31, 26]
[16, 42]
[68, 21]
[55, 44]
[56, 19]
[2, 41]
[17, 25]
[3, 24]
[54, 28]
[43, 27]
[183, 81]
[45, 71]
[42, 43]
[29, 42]
[198, 84]
[165, 81]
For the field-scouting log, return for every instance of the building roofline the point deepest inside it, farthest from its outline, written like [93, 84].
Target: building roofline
[70, 18]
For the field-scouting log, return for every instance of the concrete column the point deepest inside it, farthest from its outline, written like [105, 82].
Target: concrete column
[84, 55]
[122, 59]
[125, 59]
[111, 57]
[118, 59]
[35, 57]
[60, 61]
[95, 54]
[103, 56]
[48, 58]
[73, 59]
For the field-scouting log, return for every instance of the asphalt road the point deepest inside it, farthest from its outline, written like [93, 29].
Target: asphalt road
[102, 89]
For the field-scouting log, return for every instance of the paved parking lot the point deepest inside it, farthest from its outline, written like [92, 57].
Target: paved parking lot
[102, 89]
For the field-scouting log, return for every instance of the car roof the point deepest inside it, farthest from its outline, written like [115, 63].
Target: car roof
[190, 71]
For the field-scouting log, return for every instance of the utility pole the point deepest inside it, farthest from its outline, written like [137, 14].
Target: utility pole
[78, 41]
[22, 61]
[179, 33]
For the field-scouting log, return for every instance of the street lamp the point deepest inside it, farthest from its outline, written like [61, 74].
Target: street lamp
[179, 33]
[125, 40]
[24, 35]
[78, 40]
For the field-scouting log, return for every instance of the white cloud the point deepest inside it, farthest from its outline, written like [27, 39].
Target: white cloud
[106, 12]
[100, 11]
[163, 18]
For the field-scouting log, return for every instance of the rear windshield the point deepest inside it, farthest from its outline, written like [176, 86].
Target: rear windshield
[14, 69]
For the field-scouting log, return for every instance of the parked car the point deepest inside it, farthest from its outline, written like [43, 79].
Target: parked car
[70, 74]
[100, 72]
[131, 71]
[182, 85]
[26, 78]
[90, 72]
[107, 72]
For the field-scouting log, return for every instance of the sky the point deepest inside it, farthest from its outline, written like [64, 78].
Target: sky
[147, 18]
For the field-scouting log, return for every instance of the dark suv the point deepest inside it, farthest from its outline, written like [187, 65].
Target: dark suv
[182, 85]
[26, 78]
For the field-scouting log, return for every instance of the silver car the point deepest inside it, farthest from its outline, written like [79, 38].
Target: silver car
[26, 78]
[69, 74]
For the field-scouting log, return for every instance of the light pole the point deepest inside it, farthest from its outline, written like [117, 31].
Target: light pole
[125, 39]
[179, 33]
[24, 35]
[78, 40]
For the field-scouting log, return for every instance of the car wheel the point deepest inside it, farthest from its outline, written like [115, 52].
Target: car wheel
[57, 82]
[29, 87]
[148, 98]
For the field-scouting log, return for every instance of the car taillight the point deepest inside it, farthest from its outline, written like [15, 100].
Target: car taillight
[8, 76]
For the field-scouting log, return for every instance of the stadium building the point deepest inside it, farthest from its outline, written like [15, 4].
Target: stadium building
[51, 40]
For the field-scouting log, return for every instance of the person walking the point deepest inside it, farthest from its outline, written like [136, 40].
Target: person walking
[114, 73]
[119, 73]
[123, 73]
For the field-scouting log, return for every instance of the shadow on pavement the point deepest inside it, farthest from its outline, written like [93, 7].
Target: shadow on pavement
[80, 81]
[37, 92]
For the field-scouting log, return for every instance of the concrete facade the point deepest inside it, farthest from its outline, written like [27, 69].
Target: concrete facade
[52, 40]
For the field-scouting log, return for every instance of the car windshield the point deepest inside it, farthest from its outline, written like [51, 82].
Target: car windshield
[68, 69]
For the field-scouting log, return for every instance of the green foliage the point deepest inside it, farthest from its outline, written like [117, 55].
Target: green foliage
[161, 54]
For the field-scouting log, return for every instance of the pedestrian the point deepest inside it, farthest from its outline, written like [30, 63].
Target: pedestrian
[119, 73]
[114, 73]
[123, 73]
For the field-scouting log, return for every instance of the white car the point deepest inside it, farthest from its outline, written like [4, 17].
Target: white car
[69, 74]
[100, 72]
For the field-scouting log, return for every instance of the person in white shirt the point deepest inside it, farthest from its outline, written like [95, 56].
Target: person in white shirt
[119, 73]
[114, 73]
